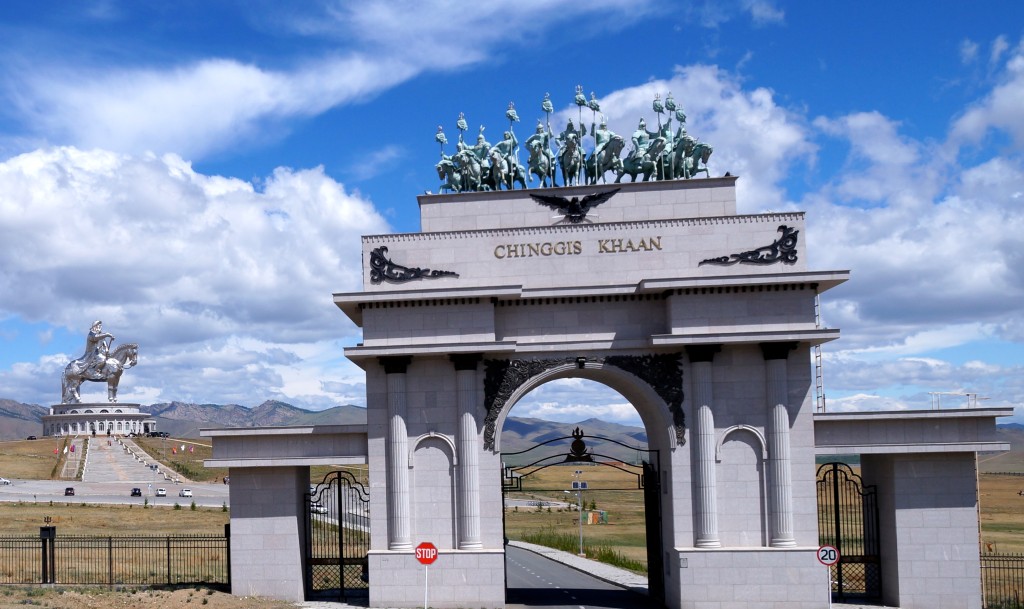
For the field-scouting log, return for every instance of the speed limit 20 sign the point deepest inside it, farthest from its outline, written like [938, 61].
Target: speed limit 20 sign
[828, 555]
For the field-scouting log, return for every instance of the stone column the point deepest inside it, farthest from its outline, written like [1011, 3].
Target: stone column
[780, 486]
[701, 358]
[397, 455]
[469, 451]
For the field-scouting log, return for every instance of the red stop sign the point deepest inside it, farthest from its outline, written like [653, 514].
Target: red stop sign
[426, 553]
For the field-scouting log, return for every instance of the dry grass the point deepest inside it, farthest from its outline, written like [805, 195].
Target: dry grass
[85, 519]
[30, 459]
[1002, 514]
[15, 597]
[625, 531]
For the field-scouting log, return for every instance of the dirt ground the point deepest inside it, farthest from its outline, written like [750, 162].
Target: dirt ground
[17, 597]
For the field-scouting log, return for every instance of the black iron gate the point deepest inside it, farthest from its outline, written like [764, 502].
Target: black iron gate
[337, 538]
[645, 470]
[848, 520]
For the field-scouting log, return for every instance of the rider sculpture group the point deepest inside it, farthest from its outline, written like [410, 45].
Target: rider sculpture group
[98, 364]
[656, 155]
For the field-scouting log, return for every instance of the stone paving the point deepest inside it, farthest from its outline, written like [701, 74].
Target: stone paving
[607, 573]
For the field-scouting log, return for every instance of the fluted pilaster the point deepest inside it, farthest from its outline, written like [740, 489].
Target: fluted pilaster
[779, 462]
[469, 452]
[397, 456]
[701, 357]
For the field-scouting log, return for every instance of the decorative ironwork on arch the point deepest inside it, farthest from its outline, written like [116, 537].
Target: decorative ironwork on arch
[662, 371]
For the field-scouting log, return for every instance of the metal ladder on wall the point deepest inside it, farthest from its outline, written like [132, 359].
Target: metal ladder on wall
[819, 384]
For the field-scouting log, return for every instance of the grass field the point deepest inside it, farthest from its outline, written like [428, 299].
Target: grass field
[25, 518]
[30, 459]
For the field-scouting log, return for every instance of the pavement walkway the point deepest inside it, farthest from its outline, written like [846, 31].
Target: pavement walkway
[602, 571]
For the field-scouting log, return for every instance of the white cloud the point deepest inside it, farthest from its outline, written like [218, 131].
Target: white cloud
[999, 46]
[999, 110]
[968, 51]
[201, 107]
[209, 274]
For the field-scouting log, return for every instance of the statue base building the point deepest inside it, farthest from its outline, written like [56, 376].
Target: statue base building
[101, 418]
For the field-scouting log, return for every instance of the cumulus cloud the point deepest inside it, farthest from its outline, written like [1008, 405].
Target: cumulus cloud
[210, 273]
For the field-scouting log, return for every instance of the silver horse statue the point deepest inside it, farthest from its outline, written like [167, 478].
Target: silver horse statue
[98, 364]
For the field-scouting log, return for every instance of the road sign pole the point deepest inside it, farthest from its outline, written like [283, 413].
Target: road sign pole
[426, 586]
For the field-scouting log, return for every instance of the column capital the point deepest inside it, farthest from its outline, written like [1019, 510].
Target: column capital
[702, 353]
[395, 364]
[772, 351]
[465, 361]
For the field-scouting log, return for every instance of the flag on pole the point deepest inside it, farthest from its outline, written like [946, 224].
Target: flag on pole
[191, 449]
[174, 450]
[55, 451]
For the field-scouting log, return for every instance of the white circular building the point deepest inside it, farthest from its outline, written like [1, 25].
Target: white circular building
[109, 419]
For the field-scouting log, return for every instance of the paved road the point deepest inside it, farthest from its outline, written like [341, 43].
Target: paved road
[534, 580]
[111, 473]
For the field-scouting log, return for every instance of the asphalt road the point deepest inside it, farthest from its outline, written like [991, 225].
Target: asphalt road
[110, 475]
[536, 581]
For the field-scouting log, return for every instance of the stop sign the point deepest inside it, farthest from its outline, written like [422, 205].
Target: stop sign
[426, 553]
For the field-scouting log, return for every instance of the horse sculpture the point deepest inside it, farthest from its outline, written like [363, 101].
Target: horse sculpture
[699, 153]
[450, 176]
[469, 169]
[645, 163]
[570, 158]
[502, 174]
[607, 160]
[120, 359]
[540, 166]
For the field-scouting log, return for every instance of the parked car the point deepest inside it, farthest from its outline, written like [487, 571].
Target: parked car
[136, 492]
[317, 508]
[161, 492]
[185, 492]
[69, 491]
[4, 481]
[31, 438]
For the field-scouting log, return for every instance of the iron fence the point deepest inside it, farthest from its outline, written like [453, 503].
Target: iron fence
[115, 561]
[1002, 578]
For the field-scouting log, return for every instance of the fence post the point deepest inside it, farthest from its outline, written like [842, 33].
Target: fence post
[46, 535]
[110, 562]
[168, 560]
[227, 550]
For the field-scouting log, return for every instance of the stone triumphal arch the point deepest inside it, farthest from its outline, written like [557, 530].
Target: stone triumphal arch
[704, 319]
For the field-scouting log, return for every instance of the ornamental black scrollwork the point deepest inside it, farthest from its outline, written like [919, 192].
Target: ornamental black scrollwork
[501, 379]
[663, 372]
[382, 269]
[781, 250]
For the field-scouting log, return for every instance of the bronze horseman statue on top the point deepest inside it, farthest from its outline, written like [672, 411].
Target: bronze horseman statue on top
[98, 364]
[656, 155]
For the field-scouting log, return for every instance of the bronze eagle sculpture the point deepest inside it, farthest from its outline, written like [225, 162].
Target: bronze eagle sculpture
[574, 209]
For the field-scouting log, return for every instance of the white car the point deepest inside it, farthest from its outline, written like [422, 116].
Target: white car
[161, 492]
[4, 481]
[317, 508]
[185, 492]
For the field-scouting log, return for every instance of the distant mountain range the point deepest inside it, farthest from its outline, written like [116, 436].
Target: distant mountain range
[183, 420]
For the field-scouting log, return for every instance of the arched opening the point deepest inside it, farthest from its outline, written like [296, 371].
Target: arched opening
[584, 450]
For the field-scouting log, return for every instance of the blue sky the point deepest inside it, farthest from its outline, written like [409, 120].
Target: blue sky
[197, 174]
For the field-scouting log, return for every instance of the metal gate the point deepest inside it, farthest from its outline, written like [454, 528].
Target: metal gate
[337, 538]
[848, 520]
[645, 471]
